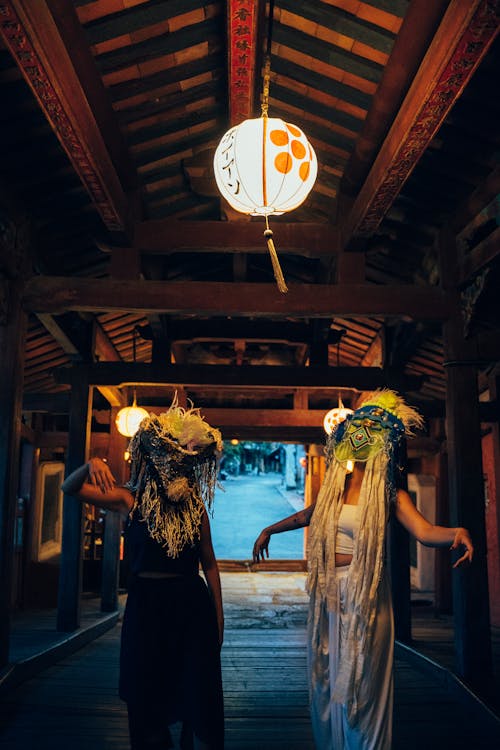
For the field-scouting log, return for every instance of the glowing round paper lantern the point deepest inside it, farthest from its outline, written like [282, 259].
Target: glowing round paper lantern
[335, 417]
[265, 167]
[129, 419]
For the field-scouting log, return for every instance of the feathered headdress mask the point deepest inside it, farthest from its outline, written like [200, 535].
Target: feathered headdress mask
[174, 474]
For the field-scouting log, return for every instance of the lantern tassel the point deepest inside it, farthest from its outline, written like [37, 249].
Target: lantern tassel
[278, 273]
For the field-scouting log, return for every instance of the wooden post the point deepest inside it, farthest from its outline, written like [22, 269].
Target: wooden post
[470, 584]
[12, 337]
[399, 566]
[113, 526]
[465, 472]
[492, 515]
[70, 577]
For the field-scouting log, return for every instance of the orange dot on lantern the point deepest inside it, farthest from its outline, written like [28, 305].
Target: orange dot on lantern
[283, 162]
[293, 130]
[279, 137]
[298, 149]
[304, 170]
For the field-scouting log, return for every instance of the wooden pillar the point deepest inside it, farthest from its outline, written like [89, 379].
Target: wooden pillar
[113, 527]
[70, 576]
[492, 515]
[465, 472]
[12, 338]
[398, 549]
[470, 584]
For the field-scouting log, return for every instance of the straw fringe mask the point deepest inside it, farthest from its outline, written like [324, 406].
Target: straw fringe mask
[174, 474]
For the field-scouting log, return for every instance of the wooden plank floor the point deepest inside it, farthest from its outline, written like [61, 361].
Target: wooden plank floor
[73, 705]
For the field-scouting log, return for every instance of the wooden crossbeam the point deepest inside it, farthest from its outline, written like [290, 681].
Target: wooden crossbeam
[254, 376]
[163, 236]
[224, 329]
[48, 44]
[58, 294]
[464, 36]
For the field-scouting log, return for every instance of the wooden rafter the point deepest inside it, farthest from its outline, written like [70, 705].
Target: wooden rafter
[418, 28]
[58, 294]
[47, 42]
[462, 40]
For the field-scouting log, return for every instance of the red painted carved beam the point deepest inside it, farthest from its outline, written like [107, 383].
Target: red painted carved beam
[44, 38]
[244, 22]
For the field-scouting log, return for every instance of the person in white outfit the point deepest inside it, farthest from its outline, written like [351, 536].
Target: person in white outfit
[350, 622]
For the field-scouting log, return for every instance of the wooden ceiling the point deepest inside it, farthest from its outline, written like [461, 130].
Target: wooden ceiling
[110, 114]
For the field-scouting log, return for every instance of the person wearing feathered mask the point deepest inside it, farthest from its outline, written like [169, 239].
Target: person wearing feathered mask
[350, 622]
[173, 622]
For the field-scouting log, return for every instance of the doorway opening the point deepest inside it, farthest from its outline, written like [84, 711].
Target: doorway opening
[261, 483]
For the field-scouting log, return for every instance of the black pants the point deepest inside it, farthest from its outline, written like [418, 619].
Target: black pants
[149, 732]
[170, 662]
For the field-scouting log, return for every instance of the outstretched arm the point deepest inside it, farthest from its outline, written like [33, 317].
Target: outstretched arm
[94, 483]
[211, 572]
[296, 521]
[430, 534]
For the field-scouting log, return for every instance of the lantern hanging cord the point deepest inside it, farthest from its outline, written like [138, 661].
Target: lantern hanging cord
[267, 62]
[265, 87]
[278, 273]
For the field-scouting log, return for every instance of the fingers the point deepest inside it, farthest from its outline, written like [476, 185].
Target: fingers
[469, 549]
[260, 551]
[466, 556]
[100, 475]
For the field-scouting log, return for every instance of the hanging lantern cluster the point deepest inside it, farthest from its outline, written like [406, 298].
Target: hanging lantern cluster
[265, 167]
[335, 416]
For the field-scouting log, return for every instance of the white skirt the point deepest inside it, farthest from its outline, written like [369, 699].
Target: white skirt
[371, 728]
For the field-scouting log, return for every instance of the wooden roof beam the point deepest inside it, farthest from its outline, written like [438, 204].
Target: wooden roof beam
[476, 202]
[463, 38]
[48, 294]
[163, 236]
[105, 351]
[253, 376]
[483, 254]
[48, 43]
[225, 329]
[413, 39]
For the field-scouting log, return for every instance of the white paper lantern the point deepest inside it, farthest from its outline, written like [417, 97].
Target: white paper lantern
[335, 417]
[129, 418]
[265, 167]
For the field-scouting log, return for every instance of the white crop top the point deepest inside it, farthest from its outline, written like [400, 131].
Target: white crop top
[347, 528]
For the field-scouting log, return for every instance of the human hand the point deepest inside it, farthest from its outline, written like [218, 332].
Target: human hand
[462, 538]
[261, 546]
[100, 474]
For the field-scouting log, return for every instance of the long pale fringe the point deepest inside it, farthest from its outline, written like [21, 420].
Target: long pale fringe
[364, 578]
[173, 526]
[174, 523]
[364, 572]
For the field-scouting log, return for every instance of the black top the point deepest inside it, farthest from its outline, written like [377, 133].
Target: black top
[146, 555]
